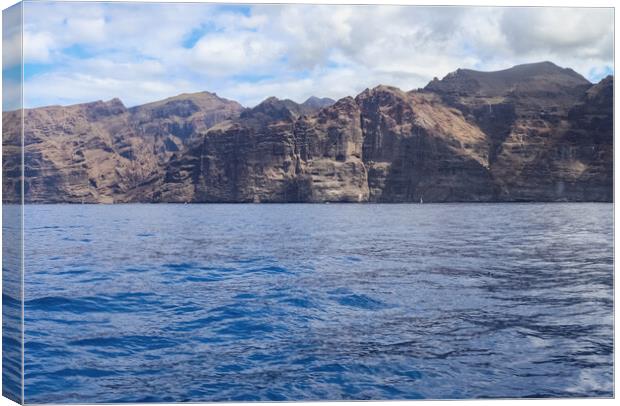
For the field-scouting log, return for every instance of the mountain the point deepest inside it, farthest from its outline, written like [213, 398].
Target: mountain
[534, 132]
[97, 152]
[528, 79]
[314, 104]
[178, 118]
[528, 113]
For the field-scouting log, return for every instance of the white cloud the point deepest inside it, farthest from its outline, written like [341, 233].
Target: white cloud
[37, 47]
[11, 94]
[122, 69]
[558, 30]
[86, 30]
[11, 50]
[225, 54]
[139, 52]
[59, 88]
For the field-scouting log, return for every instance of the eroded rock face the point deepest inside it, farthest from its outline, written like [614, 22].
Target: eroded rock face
[530, 133]
[549, 130]
[100, 152]
[273, 153]
[417, 148]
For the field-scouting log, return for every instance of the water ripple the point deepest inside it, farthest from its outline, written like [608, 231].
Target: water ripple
[312, 302]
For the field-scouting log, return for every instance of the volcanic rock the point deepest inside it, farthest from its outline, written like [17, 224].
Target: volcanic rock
[534, 132]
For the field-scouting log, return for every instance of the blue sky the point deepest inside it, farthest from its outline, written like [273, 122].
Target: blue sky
[79, 52]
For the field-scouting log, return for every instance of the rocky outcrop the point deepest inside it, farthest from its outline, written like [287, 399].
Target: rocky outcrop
[549, 130]
[99, 152]
[272, 153]
[177, 118]
[534, 132]
[417, 148]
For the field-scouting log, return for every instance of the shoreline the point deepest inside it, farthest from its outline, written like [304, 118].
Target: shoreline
[311, 203]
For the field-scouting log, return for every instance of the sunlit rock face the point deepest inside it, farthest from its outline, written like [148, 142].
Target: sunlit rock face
[100, 152]
[549, 130]
[533, 132]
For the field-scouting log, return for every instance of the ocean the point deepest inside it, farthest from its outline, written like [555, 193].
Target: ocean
[250, 302]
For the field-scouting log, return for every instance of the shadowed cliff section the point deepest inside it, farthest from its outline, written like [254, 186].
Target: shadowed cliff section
[533, 132]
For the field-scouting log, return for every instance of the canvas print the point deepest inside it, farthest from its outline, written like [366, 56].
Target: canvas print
[208, 202]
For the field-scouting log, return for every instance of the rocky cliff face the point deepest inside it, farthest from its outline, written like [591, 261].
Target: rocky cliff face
[416, 147]
[530, 133]
[99, 152]
[271, 153]
[549, 130]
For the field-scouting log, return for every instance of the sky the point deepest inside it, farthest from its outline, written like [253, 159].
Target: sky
[142, 52]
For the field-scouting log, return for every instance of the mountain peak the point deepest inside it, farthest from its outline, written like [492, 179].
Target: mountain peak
[314, 104]
[115, 101]
[98, 109]
[318, 101]
[270, 100]
[543, 68]
[539, 75]
[273, 108]
[385, 93]
[277, 103]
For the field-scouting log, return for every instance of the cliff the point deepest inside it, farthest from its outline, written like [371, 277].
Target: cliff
[98, 152]
[533, 132]
[550, 131]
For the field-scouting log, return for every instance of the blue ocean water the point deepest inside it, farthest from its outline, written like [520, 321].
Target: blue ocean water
[11, 302]
[132, 303]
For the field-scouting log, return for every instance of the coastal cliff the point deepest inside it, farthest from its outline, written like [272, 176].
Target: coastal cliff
[533, 132]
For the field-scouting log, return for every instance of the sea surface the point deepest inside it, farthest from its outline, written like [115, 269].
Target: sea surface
[128, 303]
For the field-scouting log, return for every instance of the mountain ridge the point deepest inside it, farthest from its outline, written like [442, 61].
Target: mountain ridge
[328, 101]
[534, 132]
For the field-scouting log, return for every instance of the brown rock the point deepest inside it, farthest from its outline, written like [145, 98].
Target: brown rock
[98, 152]
[534, 132]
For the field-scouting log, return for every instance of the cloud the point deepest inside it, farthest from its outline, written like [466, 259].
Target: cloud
[63, 88]
[224, 54]
[559, 30]
[11, 50]
[86, 30]
[138, 52]
[38, 47]
[11, 94]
